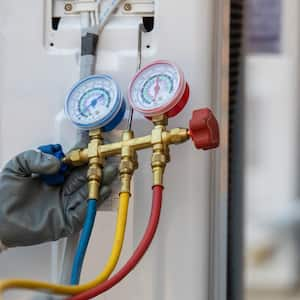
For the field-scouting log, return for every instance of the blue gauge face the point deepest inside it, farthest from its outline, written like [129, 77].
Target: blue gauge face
[94, 102]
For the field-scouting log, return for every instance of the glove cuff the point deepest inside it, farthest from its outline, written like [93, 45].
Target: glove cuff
[2, 247]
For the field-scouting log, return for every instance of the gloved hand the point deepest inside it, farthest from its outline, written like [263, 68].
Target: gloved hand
[31, 212]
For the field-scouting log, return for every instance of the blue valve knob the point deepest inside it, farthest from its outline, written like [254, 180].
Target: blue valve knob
[59, 177]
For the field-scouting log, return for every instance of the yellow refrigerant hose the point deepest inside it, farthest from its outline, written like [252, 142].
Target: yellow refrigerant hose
[73, 290]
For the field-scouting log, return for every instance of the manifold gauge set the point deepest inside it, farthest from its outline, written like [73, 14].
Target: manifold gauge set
[96, 104]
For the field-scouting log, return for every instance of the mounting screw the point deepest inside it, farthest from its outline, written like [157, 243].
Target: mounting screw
[127, 7]
[68, 7]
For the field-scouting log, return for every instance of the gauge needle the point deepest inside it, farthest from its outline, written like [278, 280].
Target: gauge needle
[156, 88]
[93, 103]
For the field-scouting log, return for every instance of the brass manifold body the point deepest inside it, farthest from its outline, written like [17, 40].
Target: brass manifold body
[97, 152]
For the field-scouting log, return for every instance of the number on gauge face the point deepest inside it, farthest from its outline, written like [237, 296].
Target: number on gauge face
[155, 87]
[92, 101]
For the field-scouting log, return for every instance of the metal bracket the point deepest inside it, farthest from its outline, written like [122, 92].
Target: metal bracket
[130, 7]
[139, 7]
[79, 6]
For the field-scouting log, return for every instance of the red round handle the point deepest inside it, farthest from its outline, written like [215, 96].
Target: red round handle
[204, 129]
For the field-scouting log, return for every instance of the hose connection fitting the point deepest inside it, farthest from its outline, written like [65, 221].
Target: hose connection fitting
[160, 149]
[128, 162]
[95, 164]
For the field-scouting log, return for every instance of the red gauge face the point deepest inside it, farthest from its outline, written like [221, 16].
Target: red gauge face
[157, 89]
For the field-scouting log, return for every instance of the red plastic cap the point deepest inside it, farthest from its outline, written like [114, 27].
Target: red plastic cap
[204, 129]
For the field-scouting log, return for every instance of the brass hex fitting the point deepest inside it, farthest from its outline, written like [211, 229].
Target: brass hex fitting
[76, 158]
[160, 147]
[159, 159]
[95, 164]
[160, 120]
[94, 180]
[128, 162]
[127, 166]
[158, 163]
[177, 136]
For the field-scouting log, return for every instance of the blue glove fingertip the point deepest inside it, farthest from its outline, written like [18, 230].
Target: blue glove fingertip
[59, 177]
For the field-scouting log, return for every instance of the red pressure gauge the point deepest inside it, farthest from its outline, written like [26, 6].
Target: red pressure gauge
[159, 88]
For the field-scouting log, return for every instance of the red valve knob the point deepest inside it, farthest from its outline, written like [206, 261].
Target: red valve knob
[204, 129]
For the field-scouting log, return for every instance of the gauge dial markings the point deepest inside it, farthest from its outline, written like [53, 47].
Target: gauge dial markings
[157, 88]
[94, 102]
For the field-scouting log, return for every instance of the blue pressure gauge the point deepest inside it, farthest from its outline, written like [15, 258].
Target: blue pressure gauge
[96, 102]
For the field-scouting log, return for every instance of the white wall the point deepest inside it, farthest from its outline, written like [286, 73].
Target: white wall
[272, 143]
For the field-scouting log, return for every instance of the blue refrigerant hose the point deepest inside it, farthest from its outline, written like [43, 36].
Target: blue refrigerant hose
[58, 179]
[84, 241]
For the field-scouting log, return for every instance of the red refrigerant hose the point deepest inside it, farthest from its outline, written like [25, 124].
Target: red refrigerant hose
[137, 255]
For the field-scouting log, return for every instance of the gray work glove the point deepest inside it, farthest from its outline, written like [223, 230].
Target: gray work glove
[31, 212]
